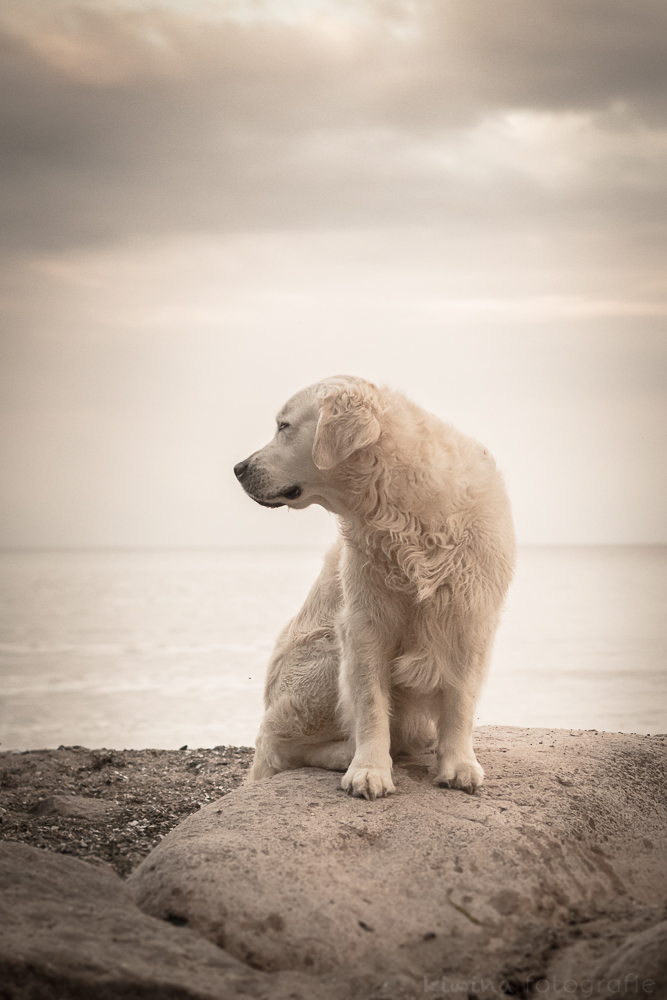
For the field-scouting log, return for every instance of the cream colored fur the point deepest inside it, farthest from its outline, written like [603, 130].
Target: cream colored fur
[389, 652]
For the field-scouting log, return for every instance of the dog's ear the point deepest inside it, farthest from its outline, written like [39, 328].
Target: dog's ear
[348, 421]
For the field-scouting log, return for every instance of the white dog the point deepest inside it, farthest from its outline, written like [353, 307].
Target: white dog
[390, 650]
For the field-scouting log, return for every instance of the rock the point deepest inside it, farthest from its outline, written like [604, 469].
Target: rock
[291, 874]
[69, 931]
[640, 965]
[76, 806]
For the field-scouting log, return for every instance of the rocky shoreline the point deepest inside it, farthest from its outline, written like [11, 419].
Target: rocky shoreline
[110, 806]
[552, 878]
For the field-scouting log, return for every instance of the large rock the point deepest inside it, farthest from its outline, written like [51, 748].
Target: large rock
[569, 831]
[70, 931]
[641, 958]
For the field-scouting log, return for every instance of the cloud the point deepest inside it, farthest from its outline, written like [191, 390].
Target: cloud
[563, 56]
[123, 122]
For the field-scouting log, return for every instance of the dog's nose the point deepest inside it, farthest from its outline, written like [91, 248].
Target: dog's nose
[240, 468]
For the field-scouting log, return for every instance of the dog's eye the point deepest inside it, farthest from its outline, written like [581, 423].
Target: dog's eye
[283, 426]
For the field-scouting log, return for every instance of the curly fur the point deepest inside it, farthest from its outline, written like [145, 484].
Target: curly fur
[392, 644]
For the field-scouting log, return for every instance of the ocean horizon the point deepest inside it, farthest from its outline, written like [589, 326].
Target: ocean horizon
[137, 648]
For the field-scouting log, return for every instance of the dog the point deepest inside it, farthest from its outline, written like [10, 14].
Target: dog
[389, 652]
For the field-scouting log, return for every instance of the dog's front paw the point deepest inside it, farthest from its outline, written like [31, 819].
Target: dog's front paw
[368, 782]
[466, 775]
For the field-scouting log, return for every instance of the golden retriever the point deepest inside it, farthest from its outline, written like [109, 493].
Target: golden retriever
[388, 654]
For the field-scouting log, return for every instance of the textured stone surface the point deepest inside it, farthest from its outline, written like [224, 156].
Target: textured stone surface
[641, 958]
[570, 828]
[69, 931]
[554, 873]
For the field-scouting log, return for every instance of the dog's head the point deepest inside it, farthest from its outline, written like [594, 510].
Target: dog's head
[316, 430]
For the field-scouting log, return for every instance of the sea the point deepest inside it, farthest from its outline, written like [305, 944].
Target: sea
[168, 648]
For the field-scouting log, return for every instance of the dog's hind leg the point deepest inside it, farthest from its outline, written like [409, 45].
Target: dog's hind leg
[334, 756]
[261, 768]
[295, 734]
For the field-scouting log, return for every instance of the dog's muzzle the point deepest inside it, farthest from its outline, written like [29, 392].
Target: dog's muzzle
[250, 482]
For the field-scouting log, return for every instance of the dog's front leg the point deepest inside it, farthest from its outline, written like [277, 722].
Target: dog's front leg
[457, 765]
[364, 691]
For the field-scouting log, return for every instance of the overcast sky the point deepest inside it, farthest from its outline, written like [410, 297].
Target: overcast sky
[207, 206]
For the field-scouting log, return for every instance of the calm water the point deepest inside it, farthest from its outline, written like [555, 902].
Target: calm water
[158, 649]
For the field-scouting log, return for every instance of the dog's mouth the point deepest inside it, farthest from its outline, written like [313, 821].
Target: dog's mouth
[292, 493]
[265, 503]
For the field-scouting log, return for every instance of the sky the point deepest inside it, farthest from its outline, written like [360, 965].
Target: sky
[208, 205]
